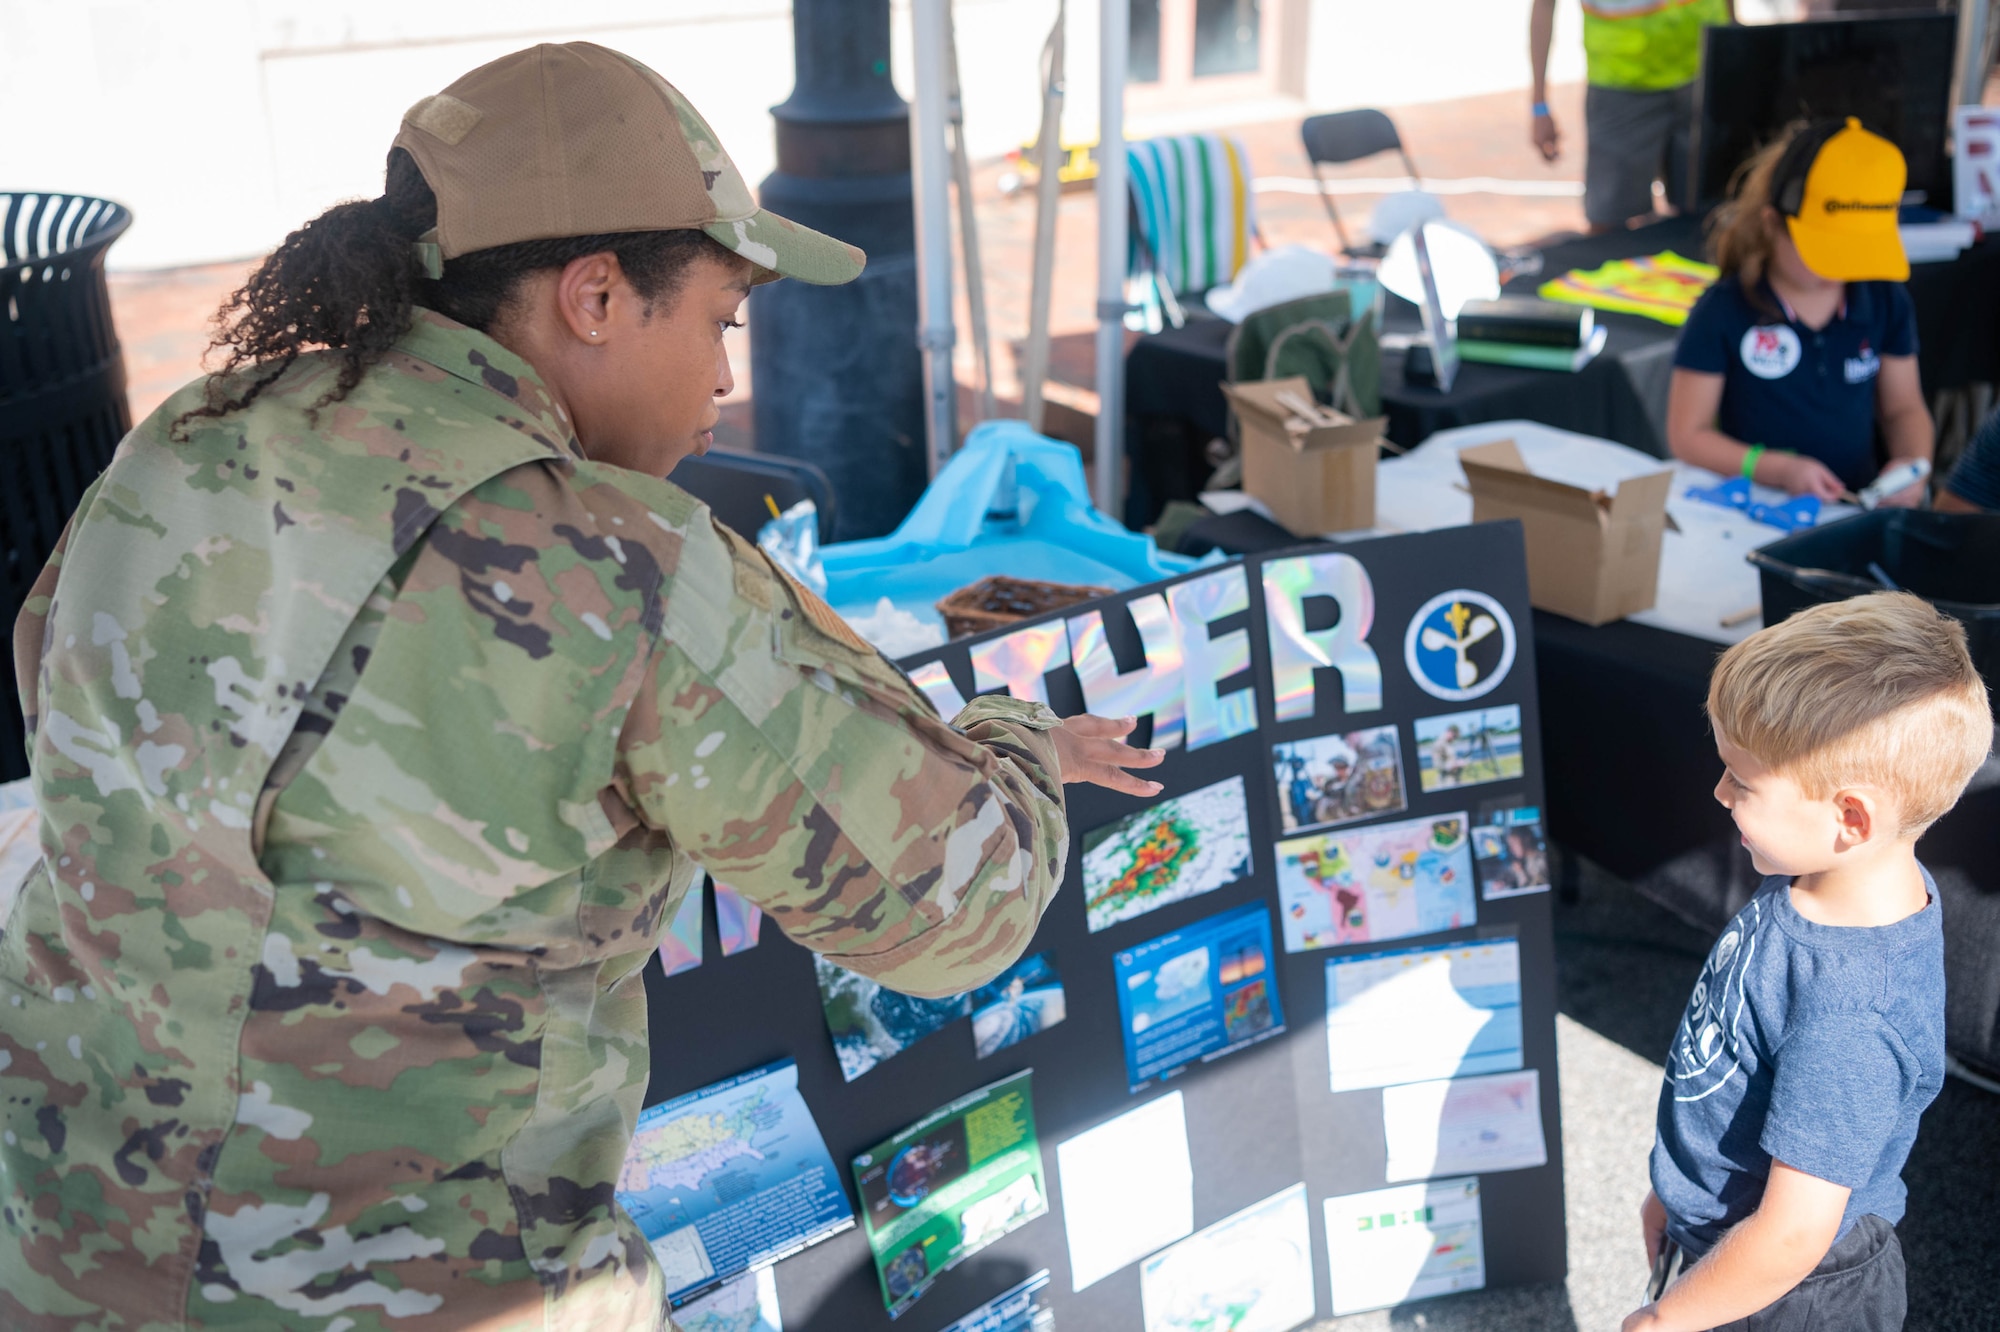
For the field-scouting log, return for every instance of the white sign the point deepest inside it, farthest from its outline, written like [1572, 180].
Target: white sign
[1127, 1189]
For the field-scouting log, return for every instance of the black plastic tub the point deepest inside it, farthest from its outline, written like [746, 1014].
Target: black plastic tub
[1951, 560]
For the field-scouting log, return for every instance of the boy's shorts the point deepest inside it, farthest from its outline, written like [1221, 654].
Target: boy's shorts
[1857, 1287]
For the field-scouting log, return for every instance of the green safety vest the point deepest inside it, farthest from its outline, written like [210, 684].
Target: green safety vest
[1646, 45]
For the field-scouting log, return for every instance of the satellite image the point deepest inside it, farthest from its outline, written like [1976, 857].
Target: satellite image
[869, 1024]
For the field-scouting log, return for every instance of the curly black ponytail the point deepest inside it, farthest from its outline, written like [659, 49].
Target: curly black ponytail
[350, 281]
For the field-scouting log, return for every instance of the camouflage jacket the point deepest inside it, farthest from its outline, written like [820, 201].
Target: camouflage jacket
[373, 752]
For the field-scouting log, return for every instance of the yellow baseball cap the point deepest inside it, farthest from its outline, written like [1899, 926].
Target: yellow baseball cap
[580, 140]
[1839, 186]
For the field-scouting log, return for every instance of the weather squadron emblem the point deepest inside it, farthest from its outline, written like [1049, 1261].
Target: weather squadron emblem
[1460, 645]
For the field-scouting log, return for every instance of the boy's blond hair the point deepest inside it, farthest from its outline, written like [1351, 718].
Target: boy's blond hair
[1873, 691]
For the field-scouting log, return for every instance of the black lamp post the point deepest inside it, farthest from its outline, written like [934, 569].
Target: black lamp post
[835, 374]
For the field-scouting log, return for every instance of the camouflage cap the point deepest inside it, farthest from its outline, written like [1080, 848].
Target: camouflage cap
[580, 140]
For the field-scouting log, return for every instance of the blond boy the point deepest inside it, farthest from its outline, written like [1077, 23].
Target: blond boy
[1815, 1036]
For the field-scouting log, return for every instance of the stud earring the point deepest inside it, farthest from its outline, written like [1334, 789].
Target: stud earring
[593, 332]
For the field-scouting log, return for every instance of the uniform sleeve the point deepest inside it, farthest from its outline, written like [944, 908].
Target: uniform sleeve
[806, 772]
[31, 626]
[1836, 1097]
[1899, 332]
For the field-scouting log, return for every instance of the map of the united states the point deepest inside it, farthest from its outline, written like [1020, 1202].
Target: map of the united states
[683, 1152]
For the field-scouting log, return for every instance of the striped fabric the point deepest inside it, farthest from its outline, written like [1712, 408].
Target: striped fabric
[1194, 209]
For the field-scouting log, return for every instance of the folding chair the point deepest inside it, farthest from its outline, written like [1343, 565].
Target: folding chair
[1349, 136]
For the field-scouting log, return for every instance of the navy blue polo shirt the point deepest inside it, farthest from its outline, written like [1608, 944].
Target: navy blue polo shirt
[1787, 386]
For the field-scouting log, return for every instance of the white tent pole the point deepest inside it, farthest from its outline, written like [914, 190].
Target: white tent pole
[1035, 359]
[968, 228]
[1115, 33]
[930, 167]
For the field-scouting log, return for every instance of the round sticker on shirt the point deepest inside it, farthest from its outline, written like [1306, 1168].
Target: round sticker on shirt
[1770, 351]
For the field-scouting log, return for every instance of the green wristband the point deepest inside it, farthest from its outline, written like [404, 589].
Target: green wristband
[1750, 458]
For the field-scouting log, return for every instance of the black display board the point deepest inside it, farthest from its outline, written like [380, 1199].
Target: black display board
[1894, 71]
[1259, 1119]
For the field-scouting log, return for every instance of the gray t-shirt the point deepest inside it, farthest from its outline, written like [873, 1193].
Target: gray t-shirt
[1816, 1045]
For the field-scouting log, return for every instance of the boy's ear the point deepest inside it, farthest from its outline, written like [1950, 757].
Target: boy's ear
[1859, 814]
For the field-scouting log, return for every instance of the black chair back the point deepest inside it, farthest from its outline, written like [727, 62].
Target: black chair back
[1348, 136]
[735, 487]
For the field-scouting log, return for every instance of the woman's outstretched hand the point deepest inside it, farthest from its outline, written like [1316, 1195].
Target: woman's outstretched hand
[1093, 749]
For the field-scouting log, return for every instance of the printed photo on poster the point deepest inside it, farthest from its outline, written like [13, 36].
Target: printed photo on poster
[730, 1177]
[1369, 884]
[1024, 999]
[1510, 852]
[869, 1024]
[1469, 748]
[1177, 849]
[1413, 1241]
[1198, 993]
[1464, 1126]
[1333, 779]
[1424, 1012]
[949, 1185]
[1024, 1308]
[747, 1304]
[1251, 1272]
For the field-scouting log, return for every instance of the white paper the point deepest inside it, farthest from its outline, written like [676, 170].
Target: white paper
[1423, 1012]
[1463, 1126]
[1127, 1189]
[1703, 573]
[1405, 1243]
[747, 1304]
[1251, 1272]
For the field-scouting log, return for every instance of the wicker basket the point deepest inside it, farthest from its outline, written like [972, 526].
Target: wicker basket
[998, 600]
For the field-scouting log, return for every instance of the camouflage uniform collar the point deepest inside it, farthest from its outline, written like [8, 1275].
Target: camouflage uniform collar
[466, 353]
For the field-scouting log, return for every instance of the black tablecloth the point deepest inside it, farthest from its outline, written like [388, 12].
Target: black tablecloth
[1631, 774]
[1174, 405]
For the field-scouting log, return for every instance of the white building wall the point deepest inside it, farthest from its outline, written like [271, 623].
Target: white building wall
[1372, 53]
[225, 123]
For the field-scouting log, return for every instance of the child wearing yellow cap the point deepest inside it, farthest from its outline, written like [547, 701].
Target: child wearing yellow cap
[1807, 344]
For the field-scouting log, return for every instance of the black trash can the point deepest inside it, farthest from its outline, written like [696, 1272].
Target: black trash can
[62, 395]
[1951, 560]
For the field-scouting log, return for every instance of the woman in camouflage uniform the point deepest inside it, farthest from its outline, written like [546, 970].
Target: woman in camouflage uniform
[384, 701]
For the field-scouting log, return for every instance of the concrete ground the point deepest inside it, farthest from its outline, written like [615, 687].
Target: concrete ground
[1624, 970]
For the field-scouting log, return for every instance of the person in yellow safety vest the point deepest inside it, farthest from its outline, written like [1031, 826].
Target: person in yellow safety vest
[1641, 58]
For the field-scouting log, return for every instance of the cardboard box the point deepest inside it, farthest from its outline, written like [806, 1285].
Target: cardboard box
[1591, 556]
[1314, 473]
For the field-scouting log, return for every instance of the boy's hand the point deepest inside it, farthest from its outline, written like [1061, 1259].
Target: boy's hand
[1642, 1320]
[1653, 1225]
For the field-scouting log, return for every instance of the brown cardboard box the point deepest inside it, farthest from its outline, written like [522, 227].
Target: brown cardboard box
[1315, 474]
[1591, 556]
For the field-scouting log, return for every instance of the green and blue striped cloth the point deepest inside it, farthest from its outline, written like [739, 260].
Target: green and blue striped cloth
[1193, 208]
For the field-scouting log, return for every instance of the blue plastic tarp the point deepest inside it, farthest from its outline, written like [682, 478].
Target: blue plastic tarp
[953, 537]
